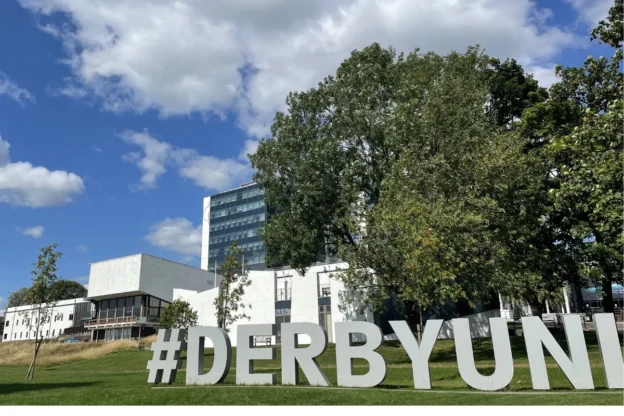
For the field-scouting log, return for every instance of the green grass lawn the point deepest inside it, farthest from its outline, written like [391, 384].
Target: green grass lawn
[121, 379]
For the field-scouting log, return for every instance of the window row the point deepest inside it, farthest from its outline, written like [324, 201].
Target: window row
[236, 209]
[26, 334]
[45, 319]
[231, 198]
[132, 306]
[237, 235]
[237, 222]
[253, 246]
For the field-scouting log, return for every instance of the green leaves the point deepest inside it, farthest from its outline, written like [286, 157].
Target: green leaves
[228, 303]
[179, 314]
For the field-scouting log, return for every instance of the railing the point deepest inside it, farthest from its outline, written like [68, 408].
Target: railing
[324, 291]
[284, 294]
[109, 321]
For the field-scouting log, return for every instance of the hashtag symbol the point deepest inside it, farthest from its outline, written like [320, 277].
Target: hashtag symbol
[166, 361]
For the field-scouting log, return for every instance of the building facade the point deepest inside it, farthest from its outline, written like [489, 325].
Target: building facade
[237, 214]
[282, 296]
[21, 322]
[130, 293]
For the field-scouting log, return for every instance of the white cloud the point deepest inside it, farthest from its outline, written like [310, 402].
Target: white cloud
[591, 11]
[545, 75]
[23, 184]
[249, 149]
[178, 235]
[96, 149]
[194, 55]
[13, 91]
[82, 248]
[34, 232]
[156, 156]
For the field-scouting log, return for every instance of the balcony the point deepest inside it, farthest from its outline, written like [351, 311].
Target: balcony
[146, 315]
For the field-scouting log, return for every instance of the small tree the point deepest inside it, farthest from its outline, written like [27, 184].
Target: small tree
[228, 303]
[41, 297]
[179, 314]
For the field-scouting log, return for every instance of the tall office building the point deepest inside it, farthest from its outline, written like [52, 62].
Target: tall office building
[237, 214]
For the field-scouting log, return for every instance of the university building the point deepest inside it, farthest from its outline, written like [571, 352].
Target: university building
[237, 214]
[60, 318]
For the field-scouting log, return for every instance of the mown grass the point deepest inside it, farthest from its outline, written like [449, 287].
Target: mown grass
[120, 378]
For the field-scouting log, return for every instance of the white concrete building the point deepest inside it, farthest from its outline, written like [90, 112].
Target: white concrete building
[278, 296]
[130, 293]
[21, 322]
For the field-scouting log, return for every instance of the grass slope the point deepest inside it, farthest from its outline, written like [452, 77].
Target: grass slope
[120, 378]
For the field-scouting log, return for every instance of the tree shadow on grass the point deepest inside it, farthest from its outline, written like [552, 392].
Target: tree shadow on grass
[22, 387]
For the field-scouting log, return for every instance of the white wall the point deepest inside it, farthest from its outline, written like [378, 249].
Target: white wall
[159, 277]
[479, 325]
[205, 233]
[141, 273]
[261, 294]
[115, 276]
[20, 330]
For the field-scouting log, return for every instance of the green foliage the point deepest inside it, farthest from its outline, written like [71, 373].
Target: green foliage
[40, 294]
[44, 276]
[18, 298]
[67, 289]
[179, 314]
[512, 91]
[578, 137]
[228, 303]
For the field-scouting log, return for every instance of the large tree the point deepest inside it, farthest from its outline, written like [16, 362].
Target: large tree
[67, 289]
[18, 298]
[327, 162]
[578, 135]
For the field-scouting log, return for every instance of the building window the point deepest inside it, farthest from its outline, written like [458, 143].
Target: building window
[6, 323]
[71, 316]
[5, 336]
[53, 332]
[20, 335]
[47, 332]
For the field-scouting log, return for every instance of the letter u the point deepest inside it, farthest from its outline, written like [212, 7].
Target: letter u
[504, 368]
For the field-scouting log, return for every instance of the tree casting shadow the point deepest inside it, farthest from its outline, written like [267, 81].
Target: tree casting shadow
[21, 387]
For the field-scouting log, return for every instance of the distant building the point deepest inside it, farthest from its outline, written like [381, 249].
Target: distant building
[21, 322]
[237, 214]
[129, 294]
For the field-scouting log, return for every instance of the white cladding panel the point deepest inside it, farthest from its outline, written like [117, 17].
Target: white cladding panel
[159, 277]
[142, 273]
[304, 306]
[59, 320]
[115, 276]
[205, 233]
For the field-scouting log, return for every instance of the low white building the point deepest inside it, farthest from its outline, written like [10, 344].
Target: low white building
[21, 322]
[129, 294]
[279, 296]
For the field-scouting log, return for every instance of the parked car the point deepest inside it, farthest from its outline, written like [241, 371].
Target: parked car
[72, 341]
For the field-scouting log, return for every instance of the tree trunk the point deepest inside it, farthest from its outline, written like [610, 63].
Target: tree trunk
[537, 308]
[607, 296]
[31, 370]
[420, 327]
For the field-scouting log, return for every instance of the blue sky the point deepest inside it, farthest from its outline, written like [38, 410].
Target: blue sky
[117, 119]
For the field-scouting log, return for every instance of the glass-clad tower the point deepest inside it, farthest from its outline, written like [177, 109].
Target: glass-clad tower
[237, 214]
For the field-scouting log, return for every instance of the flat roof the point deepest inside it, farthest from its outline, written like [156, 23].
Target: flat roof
[243, 185]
